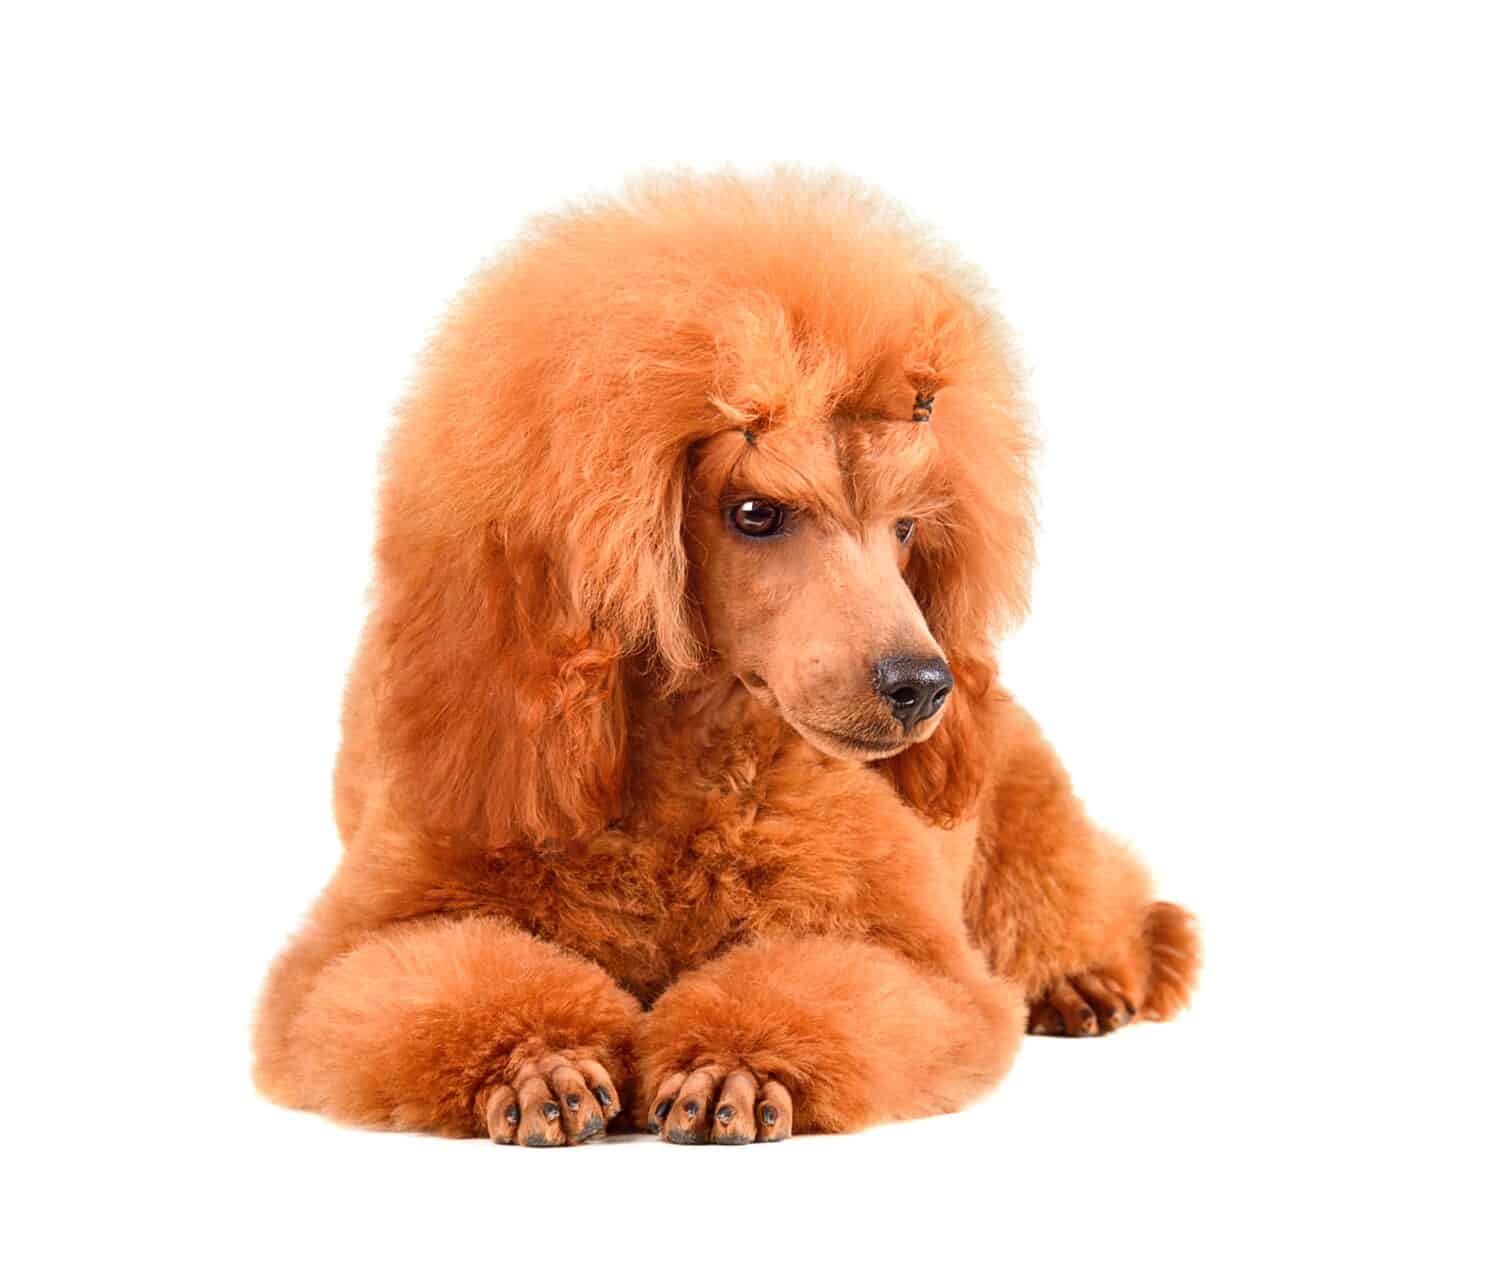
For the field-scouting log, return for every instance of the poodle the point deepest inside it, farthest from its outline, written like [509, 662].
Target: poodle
[677, 784]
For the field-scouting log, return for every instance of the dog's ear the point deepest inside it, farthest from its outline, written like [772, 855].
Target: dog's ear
[970, 575]
[501, 683]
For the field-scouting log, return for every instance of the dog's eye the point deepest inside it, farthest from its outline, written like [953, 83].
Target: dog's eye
[756, 518]
[905, 528]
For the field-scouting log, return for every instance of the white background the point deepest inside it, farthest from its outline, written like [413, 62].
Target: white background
[1251, 257]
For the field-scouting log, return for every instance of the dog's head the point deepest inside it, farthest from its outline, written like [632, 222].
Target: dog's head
[760, 429]
[804, 543]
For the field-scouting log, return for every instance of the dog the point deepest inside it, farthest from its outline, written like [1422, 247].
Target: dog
[677, 787]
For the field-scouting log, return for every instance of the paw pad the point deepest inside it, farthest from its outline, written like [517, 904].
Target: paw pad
[744, 1108]
[550, 1101]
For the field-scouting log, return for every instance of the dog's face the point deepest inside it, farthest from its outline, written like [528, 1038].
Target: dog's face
[802, 542]
[574, 520]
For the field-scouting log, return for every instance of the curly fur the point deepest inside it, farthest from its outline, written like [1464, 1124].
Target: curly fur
[569, 827]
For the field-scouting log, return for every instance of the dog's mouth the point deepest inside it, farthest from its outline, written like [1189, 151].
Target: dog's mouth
[838, 744]
[845, 745]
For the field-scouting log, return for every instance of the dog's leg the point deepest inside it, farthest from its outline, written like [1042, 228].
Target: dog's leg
[821, 1034]
[1065, 910]
[454, 1025]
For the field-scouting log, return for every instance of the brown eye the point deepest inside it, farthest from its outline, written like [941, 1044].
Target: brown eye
[756, 518]
[905, 528]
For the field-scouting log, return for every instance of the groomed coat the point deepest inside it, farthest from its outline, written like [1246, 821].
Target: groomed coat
[677, 779]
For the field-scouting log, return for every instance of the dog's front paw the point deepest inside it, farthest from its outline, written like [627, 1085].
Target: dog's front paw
[552, 1100]
[713, 1104]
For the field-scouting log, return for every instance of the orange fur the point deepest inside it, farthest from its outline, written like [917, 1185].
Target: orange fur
[605, 835]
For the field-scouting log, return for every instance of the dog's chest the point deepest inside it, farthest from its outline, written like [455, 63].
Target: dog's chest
[654, 898]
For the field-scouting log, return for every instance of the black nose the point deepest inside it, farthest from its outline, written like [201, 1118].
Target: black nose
[914, 687]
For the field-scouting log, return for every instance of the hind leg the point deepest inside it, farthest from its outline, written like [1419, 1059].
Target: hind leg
[1065, 910]
[1152, 978]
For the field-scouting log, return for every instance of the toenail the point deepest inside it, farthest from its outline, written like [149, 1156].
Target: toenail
[513, 1115]
[602, 1094]
[690, 1109]
[662, 1108]
[768, 1115]
[551, 1110]
[725, 1114]
[572, 1102]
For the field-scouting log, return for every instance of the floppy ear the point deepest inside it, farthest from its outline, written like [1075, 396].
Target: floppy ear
[970, 576]
[502, 696]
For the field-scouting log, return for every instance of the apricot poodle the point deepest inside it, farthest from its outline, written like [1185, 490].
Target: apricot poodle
[676, 777]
